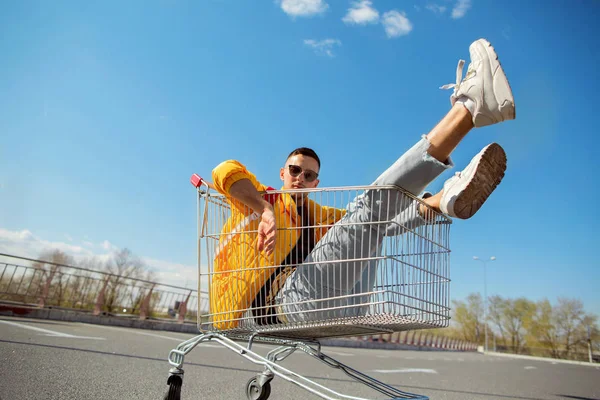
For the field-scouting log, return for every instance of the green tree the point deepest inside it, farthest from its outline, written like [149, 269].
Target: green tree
[543, 328]
[468, 316]
[518, 315]
[496, 307]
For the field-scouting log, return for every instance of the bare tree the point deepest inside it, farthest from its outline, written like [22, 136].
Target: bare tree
[123, 267]
[87, 284]
[51, 275]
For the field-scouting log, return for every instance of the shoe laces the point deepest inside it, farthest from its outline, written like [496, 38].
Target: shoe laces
[459, 79]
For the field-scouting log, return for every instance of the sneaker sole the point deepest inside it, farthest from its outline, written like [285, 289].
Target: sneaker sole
[502, 89]
[488, 175]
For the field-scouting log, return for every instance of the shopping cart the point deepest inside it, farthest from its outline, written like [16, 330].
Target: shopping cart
[401, 283]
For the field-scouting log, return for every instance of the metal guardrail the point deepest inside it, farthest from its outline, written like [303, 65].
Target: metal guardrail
[49, 284]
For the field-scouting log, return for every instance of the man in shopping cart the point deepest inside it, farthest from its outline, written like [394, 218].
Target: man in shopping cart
[298, 266]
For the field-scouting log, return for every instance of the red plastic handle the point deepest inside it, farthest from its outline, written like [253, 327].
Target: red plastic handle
[196, 180]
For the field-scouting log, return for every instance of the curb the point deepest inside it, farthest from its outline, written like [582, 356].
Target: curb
[533, 358]
[80, 316]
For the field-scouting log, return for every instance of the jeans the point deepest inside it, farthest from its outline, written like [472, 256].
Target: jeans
[341, 266]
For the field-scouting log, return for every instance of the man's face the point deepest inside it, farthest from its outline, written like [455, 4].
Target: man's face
[308, 166]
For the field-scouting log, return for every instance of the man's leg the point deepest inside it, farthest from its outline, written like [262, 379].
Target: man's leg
[336, 264]
[413, 217]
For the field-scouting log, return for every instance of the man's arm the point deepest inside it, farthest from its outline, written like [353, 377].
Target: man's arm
[245, 192]
[233, 179]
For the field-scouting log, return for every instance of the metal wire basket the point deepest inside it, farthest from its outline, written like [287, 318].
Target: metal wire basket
[350, 261]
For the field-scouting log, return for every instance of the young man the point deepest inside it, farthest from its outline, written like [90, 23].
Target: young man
[292, 269]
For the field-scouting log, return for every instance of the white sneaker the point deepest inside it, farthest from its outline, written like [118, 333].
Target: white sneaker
[466, 191]
[485, 84]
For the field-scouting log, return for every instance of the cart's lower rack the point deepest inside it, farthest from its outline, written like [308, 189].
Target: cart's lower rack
[259, 387]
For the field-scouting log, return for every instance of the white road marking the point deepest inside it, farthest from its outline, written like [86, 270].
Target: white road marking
[48, 332]
[138, 332]
[530, 367]
[383, 356]
[405, 370]
[338, 353]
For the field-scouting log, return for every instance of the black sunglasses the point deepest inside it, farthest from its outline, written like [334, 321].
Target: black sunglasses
[309, 175]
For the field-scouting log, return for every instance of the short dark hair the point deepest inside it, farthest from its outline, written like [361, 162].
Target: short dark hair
[305, 151]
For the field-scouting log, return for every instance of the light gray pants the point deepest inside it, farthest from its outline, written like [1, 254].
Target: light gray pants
[339, 266]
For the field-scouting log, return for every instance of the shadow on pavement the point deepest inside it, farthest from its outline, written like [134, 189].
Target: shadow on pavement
[253, 371]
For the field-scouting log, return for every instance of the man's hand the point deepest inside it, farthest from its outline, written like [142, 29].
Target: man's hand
[266, 231]
[244, 191]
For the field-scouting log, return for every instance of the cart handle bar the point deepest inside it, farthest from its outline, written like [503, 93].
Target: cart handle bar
[197, 181]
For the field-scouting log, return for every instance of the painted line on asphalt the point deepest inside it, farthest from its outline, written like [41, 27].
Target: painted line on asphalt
[406, 370]
[138, 332]
[338, 353]
[530, 367]
[48, 332]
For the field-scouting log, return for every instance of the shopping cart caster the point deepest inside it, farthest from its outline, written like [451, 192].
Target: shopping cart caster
[174, 381]
[256, 391]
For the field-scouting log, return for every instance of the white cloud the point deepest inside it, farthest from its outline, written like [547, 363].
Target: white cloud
[69, 238]
[26, 244]
[303, 8]
[396, 24]
[436, 8]
[176, 274]
[108, 246]
[460, 8]
[323, 46]
[361, 13]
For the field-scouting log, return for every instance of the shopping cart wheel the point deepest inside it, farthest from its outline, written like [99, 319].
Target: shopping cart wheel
[256, 392]
[174, 393]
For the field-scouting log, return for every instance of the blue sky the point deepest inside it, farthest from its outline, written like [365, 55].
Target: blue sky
[106, 109]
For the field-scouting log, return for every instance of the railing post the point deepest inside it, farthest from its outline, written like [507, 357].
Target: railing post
[100, 299]
[144, 309]
[46, 290]
[183, 309]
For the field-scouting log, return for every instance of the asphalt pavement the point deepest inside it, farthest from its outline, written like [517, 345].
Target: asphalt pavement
[44, 359]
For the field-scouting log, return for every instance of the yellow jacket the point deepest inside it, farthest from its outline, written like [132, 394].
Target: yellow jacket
[239, 269]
